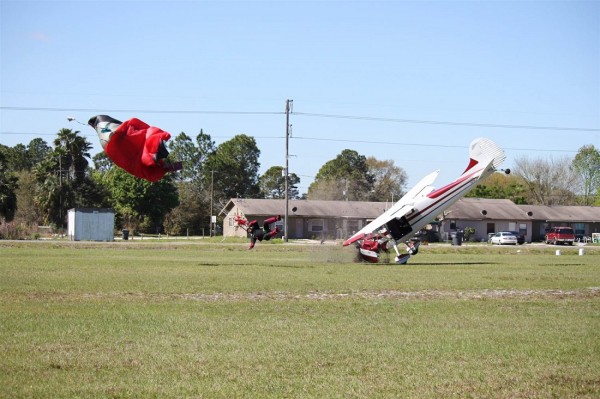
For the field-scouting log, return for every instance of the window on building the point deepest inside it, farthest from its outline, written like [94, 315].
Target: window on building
[523, 228]
[579, 229]
[491, 228]
[353, 225]
[316, 225]
[280, 225]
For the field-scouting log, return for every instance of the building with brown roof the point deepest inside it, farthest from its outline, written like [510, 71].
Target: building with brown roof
[307, 219]
[486, 216]
[585, 220]
[339, 219]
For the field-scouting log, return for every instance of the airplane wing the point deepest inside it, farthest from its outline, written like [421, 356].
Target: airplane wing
[420, 187]
[378, 223]
[401, 208]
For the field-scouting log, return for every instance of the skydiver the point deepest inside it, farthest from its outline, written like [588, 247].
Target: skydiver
[135, 146]
[257, 233]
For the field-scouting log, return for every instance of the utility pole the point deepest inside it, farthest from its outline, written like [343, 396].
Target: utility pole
[288, 106]
[212, 194]
[60, 210]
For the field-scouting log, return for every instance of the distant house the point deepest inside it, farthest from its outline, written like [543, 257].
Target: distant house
[486, 216]
[307, 219]
[340, 219]
[584, 220]
[494, 215]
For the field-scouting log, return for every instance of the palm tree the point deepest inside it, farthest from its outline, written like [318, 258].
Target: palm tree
[75, 149]
[8, 187]
[61, 175]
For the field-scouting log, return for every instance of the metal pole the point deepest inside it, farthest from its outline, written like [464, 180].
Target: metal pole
[287, 139]
[60, 188]
[212, 182]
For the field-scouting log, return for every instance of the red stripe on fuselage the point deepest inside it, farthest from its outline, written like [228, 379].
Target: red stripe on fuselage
[449, 189]
[446, 190]
[440, 191]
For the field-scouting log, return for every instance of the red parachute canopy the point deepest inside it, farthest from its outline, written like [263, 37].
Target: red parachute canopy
[134, 146]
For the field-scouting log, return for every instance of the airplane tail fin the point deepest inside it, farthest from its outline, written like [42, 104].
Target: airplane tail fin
[484, 151]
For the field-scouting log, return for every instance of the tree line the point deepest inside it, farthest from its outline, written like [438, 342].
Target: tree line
[550, 181]
[39, 182]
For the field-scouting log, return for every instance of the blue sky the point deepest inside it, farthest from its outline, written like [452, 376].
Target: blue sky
[457, 70]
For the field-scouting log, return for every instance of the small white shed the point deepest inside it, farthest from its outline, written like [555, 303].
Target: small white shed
[91, 224]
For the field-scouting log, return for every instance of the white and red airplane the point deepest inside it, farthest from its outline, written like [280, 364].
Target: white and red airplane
[422, 204]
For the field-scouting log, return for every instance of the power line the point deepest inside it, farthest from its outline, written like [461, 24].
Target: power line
[145, 111]
[378, 142]
[96, 135]
[307, 114]
[325, 139]
[35, 134]
[420, 144]
[430, 122]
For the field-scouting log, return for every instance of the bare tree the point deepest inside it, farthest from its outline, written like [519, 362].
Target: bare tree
[329, 189]
[549, 181]
[390, 179]
[587, 164]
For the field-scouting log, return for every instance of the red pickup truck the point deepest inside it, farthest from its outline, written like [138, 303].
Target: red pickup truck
[560, 235]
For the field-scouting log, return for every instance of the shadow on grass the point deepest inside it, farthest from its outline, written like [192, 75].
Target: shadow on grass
[409, 264]
[215, 264]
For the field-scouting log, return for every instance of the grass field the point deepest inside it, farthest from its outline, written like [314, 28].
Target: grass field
[212, 320]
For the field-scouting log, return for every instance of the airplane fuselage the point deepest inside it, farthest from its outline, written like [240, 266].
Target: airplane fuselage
[422, 204]
[427, 208]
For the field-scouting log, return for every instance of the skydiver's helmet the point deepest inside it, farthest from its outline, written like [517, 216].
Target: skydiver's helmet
[105, 126]
[162, 152]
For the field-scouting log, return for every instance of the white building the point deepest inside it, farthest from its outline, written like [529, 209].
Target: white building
[91, 224]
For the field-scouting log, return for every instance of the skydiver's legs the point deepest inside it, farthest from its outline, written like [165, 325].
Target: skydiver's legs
[172, 167]
[267, 227]
[267, 222]
[271, 233]
[252, 241]
[161, 159]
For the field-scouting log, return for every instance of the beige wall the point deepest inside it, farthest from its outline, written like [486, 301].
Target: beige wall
[228, 225]
[299, 227]
[480, 227]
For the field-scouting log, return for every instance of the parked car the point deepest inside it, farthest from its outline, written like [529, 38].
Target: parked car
[504, 237]
[520, 237]
[560, 235]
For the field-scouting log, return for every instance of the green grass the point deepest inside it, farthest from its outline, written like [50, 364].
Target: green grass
[213, 320]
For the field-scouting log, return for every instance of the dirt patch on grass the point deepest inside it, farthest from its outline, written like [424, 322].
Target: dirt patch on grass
[401, 295]
[551, 294]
